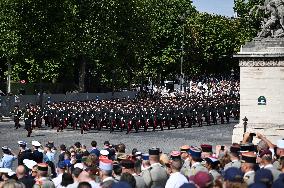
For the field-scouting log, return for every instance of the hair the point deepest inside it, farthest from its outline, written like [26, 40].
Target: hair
[235, 184]
[121, 148]
[63, 147]
[51, 169]
[137, 166]
[77, 144]
[94, 143]
[224, 160]
[66, 179]
[84, 185]
[128, 178]
[13, 184]
[134, 150]
[281, 161]
[107, 172]
[267, 158]
[117, 170]
[76, 172]
[176, 164]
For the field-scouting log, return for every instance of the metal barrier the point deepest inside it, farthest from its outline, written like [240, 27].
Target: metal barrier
[7, 103]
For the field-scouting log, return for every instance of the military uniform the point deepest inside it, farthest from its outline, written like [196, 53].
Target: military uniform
[249, 177]
[155, 176]
[196, 167]
[235, 163]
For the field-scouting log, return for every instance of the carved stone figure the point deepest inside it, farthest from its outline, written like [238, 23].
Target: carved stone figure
[273, 24]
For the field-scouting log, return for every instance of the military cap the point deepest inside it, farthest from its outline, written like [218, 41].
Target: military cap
[5, 170]
[106, 164]
[154, 151]
[22, 143]
[184, 149]
[195, 152]
[206, 148]
[235, 148]
[145, 156]
[264, 176]
[265, 152]
[5, 149]
[36, 143]
[247, 147]
[29, 163]
[280, 144]
[233, 174]
[104, 152]
[42, 167]
[212, 160]
[175, 155]
[248, 157]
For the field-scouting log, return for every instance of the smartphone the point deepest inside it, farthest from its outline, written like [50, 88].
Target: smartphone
[222, 147]
[252, 134]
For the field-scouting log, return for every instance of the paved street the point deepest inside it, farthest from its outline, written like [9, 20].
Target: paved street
[167, 140]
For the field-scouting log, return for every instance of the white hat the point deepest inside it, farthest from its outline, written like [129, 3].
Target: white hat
[29, 163]
[22, 143]
[36, 143]
[280, 144]
[11, 173]
[104, 152]
[79, 165]
[6, 148]
[5, 170]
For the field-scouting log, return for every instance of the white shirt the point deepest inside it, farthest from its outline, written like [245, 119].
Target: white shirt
[57, 181]
[176, 180]
[73, 185]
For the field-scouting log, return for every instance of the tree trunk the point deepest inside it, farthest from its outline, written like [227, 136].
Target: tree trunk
[82, 73]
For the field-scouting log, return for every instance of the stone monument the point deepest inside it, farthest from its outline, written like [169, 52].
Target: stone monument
[261, 64]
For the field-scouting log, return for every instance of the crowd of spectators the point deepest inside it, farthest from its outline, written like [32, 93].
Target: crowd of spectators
[240, 165]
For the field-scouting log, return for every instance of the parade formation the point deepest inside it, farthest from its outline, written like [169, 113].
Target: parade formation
[206, 103]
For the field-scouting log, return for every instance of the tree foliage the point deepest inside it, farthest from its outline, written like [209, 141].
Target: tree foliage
[124, 41]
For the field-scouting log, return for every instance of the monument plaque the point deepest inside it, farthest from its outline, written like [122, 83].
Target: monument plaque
[261, 64]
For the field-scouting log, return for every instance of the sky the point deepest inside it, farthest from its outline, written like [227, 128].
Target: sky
[222, 7]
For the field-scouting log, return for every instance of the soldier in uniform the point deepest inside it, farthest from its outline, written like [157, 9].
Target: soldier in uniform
[128, 167]
[17, 115]
[156, 175]
[212, 164]
[42, 181]
[234, 157]
[195, 160]
[28, 121]
[247, 167]
[185, 158]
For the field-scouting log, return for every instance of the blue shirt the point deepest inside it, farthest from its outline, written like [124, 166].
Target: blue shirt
[7, 161]
[95, 151]
[49, 156]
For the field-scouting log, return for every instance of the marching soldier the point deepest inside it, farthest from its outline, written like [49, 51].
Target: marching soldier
[17, 115]
[28, 115]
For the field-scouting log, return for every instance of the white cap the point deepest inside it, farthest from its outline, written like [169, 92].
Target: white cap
[29, 163]
[79, 165]
[36, 143]
[104, 152]
[11, 173]
[22, 143]
[280, 144]
[5, 170]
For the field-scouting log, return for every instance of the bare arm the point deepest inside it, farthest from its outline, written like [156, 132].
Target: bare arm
[268, 142]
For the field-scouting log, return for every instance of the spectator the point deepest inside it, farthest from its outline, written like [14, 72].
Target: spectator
[75, 175]
[176, 179]
[128, 178]
[84, 185]
[95, 149]
[21, 175]
[8, 158]
[128, 167]
[60, 171]
[42, 179]
[66, 180]
[85, 177]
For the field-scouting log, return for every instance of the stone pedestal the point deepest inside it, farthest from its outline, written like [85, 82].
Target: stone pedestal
[262, 88]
